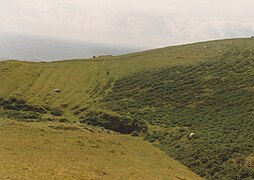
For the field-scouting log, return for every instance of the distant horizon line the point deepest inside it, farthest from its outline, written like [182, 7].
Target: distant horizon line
[97, 56]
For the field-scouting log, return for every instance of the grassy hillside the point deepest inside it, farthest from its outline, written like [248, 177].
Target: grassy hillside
[163, 94]
[60, 151]
[213, 99]
[80, 81]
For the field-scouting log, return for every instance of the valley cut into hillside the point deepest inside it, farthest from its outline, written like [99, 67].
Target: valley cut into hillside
[161, 96]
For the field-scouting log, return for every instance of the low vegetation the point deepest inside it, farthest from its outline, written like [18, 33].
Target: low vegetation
[214, 100]
[161, 95]
[19, 109]
[116, 123]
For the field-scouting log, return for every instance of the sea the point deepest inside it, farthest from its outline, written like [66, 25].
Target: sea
[33, 48]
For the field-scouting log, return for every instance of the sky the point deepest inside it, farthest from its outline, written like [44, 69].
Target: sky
[133, 23]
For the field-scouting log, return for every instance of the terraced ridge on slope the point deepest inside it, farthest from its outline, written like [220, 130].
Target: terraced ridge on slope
[81, 81]
[20, 110]
[214, 100]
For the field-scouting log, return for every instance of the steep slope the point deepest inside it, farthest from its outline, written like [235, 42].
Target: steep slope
[214, 100]
[57, 151]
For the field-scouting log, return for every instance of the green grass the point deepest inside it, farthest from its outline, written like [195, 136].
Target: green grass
[78, 79]
[65, 151]
[169, 92]
[213, 99]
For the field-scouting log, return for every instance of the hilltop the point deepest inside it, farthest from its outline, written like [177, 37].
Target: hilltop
[79, 80]
[162, 95]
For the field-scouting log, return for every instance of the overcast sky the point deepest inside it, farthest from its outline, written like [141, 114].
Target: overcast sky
[136, 23]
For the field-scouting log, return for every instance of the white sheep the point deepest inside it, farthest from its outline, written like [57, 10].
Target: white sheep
[191, 135]
[57, 90]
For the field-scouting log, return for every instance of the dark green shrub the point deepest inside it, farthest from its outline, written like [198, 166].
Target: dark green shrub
[5, 102]
[13, 100]
[212, 99]
[56, 112]
[20, 101]
[150, 137]
[63, 120]
[121, 124]
[135, 134]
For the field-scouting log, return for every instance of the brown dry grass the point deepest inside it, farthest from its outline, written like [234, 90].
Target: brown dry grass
[57, 151]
